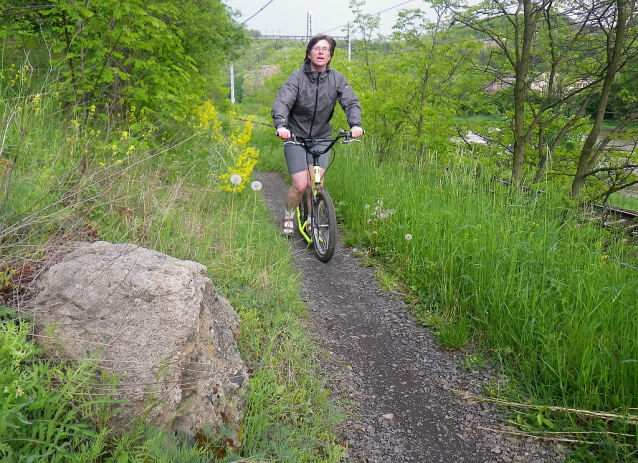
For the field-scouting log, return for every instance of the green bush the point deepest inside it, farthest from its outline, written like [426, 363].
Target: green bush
[44, 403]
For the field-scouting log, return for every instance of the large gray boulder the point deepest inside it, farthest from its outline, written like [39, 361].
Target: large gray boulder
[157, 322]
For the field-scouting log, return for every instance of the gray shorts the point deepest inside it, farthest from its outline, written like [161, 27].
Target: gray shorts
[298, 160]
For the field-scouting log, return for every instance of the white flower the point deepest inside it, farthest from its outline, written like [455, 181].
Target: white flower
[256, 185]
[235, 179]
[408, 237]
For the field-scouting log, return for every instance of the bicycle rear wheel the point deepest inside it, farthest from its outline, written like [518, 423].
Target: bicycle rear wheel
[324, 229]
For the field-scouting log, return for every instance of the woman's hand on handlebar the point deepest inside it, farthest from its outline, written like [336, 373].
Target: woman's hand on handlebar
[356, 131]
[283, 133]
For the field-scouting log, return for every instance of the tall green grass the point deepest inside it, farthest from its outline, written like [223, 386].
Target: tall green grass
[290, 416]
[551, 297]
[72, 175]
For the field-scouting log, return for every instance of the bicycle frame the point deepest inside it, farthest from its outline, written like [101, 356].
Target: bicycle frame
[316, 203]
[316, 185]
[308, 144]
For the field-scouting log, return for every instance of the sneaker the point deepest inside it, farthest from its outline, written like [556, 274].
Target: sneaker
[308, 227]
[287, 226]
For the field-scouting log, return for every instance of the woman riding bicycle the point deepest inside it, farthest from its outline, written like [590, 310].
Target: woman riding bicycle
[304, 106]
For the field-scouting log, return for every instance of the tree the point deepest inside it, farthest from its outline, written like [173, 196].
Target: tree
[412, 85]
[208, 33]
[512, 26]
[158, 54]
[365, 25]
[554, 57]
[614, 21]
[434, 67]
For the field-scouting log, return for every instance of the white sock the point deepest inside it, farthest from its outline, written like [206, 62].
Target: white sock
[289, 214]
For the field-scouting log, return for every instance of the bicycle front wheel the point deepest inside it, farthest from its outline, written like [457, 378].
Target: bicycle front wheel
[324, 230]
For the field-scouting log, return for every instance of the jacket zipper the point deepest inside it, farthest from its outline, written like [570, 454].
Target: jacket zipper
[316, 101]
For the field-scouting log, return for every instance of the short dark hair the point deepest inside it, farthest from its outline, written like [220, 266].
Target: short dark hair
[317, 38]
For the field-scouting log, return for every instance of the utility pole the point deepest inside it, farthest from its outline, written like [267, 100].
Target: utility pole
[349, 44]
[309, 26]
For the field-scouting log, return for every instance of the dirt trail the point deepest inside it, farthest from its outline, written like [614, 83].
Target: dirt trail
[400, 387]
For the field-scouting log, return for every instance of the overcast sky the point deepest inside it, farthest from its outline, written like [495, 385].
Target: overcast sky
[289, 17]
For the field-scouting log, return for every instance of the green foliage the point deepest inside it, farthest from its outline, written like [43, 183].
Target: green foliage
[624, 97]
[161, 56]
[423, 88]
[473, 362]
[69, 176]
[208, 34]
[556, 79]
[162, 447]
[453, 336]
[553, 300]
[289, 415]
[551, 297]
[43, 403]
[271, 155]
[57, 412]
[210, 37]
[124, 54]
[260, 71]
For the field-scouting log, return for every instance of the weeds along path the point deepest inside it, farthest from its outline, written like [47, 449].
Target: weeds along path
[397, 387]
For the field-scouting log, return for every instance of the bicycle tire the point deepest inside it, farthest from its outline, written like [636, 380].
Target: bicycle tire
[324, 227]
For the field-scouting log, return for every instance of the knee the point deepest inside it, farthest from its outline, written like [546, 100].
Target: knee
[300, 189]
[300, 185]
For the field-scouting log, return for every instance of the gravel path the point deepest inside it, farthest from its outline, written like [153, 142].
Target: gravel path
[397, 386]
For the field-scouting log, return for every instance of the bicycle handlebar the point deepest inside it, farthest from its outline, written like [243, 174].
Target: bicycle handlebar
[310, 142]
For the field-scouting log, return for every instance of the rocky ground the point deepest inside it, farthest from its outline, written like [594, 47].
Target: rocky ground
[403, 394]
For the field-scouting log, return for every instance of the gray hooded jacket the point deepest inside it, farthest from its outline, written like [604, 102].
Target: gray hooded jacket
[305, 102]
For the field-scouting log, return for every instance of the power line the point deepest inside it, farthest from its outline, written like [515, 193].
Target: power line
[260, 10]
[392, 7]
[375, 14]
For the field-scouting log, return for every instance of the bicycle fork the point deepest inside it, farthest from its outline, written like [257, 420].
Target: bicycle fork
[302, 226]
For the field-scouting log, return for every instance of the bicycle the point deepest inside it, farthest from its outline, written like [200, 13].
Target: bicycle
[323, 220]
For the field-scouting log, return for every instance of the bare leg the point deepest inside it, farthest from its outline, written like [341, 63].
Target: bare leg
[300, 182]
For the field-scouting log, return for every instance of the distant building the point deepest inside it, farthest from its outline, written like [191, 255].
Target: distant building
[490, 43]
[498, 84]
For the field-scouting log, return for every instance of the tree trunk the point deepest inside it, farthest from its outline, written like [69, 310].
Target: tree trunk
[543, 154]
[588, 155]
[523, 63]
